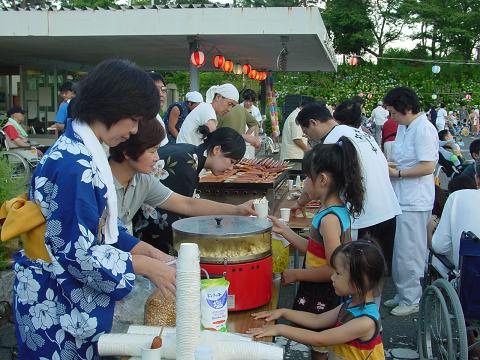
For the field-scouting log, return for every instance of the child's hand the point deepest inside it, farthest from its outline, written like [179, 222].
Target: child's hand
[278, 226]
[289, 276]
[268, 315]
[267, 330]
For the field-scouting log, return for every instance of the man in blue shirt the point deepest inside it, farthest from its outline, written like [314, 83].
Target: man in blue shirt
[67, 92]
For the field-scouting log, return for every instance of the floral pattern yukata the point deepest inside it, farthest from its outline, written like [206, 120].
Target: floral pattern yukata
[181, 165]
[61, 308]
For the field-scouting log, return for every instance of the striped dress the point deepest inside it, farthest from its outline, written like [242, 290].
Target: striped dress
[318, 297]
[357, 349]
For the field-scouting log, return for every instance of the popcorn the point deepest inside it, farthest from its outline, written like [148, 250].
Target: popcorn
[260, 201]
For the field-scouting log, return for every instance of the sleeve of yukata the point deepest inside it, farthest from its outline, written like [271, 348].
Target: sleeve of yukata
[72, 200]
[126, 242]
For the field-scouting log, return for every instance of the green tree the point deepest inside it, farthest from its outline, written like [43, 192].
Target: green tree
[348, 22]
[447, 27]
[389, 19]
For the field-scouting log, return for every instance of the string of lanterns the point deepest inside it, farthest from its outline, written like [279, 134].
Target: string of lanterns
[198, 59]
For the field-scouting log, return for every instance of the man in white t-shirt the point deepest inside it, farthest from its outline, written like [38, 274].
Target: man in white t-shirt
[294, 143]
[441, 118]
[203, 119]
[415, 155]
[459, 214]
[380, 205]
[379, 116]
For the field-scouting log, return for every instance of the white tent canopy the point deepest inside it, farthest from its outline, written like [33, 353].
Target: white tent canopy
[159, 37]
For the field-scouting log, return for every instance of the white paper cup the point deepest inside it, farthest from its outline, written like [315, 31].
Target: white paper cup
[152, 354]
[285, 214]
[188, 257]
[123, 344]
[290, 184]
[261, 209]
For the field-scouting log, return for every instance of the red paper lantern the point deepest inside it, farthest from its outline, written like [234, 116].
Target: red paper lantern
[353, 61]
[228, 66]
[252, 74]
[265, 75]
[197, 58]
[218, 61]
[246, 68]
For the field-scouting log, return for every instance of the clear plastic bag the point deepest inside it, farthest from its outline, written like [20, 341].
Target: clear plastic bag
[130, 310]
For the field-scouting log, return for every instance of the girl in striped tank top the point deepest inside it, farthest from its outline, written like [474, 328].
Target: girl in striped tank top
[334, 178]
[353, 327]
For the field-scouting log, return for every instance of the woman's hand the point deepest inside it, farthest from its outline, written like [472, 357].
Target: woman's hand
[289, 276]
[279, 227]
[164, 278]
[246, 208]
[268, 315]
[267, 330]
[392, 171]
[143, 248]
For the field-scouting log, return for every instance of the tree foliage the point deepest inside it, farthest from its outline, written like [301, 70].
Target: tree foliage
[447, 27]
[348, 23]
[389, 19]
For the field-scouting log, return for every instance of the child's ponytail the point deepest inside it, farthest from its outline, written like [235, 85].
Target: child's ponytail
[340, 160]
[354, 192]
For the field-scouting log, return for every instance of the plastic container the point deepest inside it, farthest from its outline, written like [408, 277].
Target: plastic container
[280, 254]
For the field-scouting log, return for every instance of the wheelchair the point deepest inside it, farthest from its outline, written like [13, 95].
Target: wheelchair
[22, 160]
[447, 301]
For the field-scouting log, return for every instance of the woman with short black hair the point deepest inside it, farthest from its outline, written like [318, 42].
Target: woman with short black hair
[181, 166]
[65, 300]
[415, 155]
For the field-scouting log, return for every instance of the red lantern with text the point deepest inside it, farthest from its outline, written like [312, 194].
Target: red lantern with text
[228, 66]
[265, 75]
[252, 74]
[353, 61]
[246, 68]
[468, 97]
[218, 61]
[197, 58]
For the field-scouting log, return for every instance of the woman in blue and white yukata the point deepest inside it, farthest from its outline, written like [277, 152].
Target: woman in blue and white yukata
[63, 306]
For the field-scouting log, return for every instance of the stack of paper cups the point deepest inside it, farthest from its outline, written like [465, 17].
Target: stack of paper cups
[188, 301]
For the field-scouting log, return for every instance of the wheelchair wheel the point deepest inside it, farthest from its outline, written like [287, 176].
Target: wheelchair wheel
[457, 321]
[434, 328]
[21, 167]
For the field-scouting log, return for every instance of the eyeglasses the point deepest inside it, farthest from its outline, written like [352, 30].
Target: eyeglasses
[163, 89]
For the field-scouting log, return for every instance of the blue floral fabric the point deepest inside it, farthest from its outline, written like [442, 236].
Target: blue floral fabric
[61, 308]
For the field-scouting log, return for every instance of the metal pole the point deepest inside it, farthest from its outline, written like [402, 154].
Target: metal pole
[9, 91]
[194, 76]
[55, 89]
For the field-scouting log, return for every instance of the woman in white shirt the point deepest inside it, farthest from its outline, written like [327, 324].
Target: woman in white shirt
[415, 155]
[203, 119]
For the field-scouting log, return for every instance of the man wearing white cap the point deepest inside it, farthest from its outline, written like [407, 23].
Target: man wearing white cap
[203, 119]
[178, 111]
[379, 116]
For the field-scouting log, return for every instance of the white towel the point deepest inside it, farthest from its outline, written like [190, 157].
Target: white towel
[228, 91]
[100, 160]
